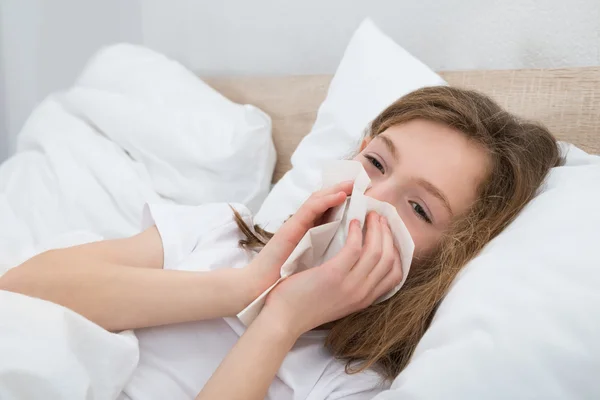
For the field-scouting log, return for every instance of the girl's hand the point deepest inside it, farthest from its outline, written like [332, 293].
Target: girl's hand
[265, 268]
[347, 283]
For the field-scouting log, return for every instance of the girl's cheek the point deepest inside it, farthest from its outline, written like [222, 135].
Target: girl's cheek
[422, 238]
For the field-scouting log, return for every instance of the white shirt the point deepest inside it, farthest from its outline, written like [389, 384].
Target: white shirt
[177, 360]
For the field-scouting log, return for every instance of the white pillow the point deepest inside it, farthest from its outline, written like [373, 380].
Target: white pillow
[521, 321]
[374, 72]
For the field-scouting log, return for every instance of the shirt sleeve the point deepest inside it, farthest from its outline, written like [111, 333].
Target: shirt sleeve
[182, 227]
[336, 384]
[367, 394]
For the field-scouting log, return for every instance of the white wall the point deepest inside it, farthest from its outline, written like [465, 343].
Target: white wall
[43, 43]
[309, 36]
[3, 105]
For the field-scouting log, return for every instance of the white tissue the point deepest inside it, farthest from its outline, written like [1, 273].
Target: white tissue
[323, 242]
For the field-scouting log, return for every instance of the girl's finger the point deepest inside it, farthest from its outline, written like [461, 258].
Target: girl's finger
[345, 187]
[390, 280]
[319, 202]
[309, 213]
[371, 253]
[326, 202]
[350, 253]
[386, 262]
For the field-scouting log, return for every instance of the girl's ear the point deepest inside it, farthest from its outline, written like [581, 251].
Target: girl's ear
[364, 143]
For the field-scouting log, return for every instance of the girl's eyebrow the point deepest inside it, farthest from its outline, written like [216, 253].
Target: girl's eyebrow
[434, 191]
[390, 146]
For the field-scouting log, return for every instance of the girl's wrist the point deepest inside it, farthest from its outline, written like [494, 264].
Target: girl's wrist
[281, 326]
[245, 287]
[260, 275]
[251, 283]
[241, 286]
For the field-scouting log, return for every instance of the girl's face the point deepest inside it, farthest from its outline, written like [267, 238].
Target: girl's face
[428, 171]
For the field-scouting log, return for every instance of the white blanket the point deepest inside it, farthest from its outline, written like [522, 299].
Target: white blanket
[135, 128]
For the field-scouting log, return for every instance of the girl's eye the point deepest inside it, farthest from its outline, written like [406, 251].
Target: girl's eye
[420, 211]
[375, 163]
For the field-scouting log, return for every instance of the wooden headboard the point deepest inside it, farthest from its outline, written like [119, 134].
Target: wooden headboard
[567, 101]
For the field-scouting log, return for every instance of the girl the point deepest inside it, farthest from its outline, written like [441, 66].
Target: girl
[456, 166]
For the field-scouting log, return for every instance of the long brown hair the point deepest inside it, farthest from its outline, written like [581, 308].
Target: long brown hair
[521, 152]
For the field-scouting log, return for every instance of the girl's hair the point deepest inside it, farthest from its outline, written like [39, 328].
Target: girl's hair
[521, 152]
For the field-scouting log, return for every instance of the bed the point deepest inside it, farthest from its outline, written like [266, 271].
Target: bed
[137, 127]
